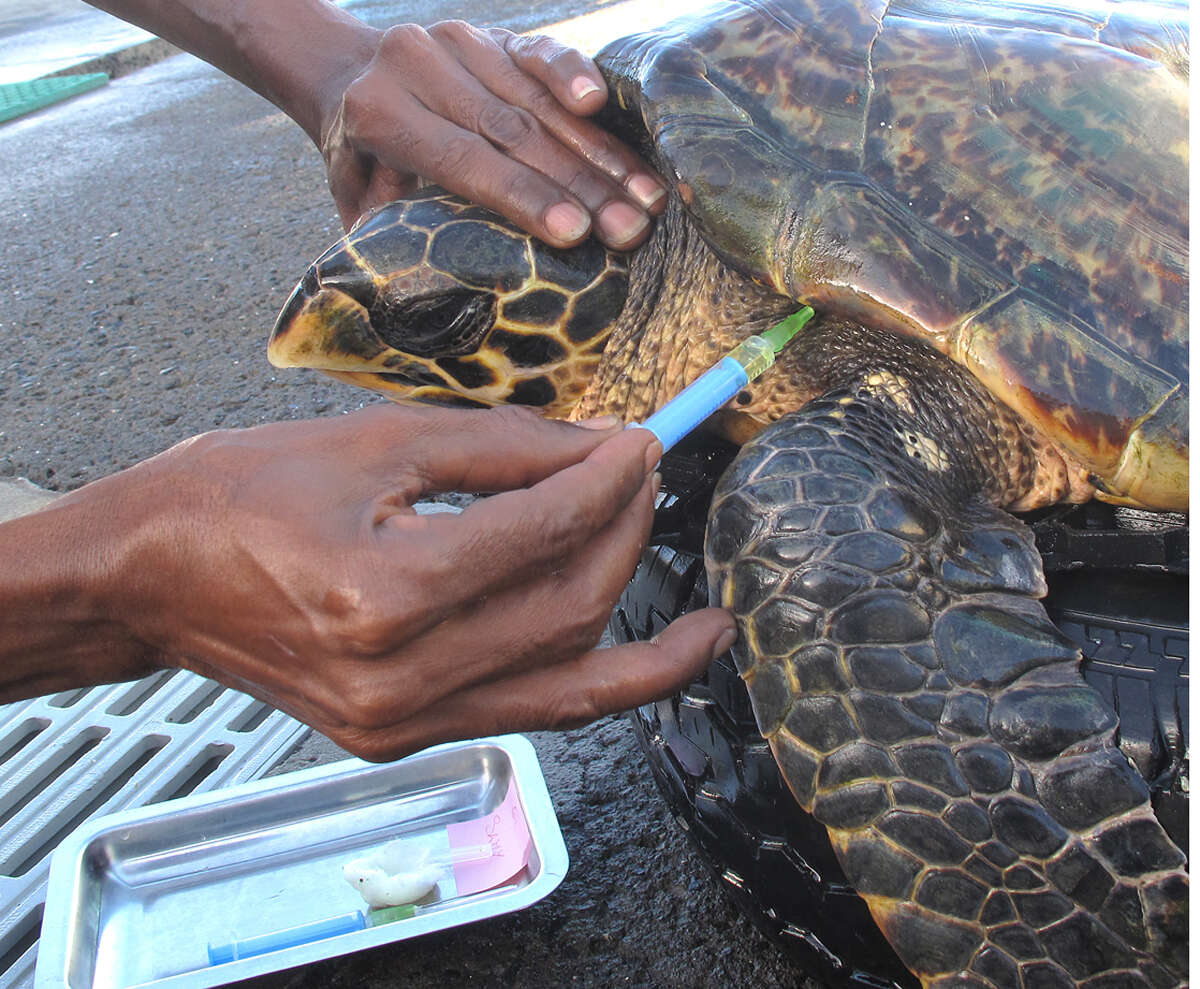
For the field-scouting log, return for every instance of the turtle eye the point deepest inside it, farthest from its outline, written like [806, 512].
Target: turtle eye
[448, 324]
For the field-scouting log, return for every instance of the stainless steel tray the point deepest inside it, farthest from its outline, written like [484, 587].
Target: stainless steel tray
[136, 898]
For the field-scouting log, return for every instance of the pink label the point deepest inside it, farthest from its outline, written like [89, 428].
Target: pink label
[506, 830]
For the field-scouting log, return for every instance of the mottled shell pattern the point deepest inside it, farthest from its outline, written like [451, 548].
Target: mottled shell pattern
[1008, 183]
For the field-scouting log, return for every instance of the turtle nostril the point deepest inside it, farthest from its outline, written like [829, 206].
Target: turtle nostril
[354, 282]
[309, 284]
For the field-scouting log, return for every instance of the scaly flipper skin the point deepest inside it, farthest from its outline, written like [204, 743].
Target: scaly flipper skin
[922, 705]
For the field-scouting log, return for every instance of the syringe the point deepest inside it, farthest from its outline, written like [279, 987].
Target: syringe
[722, 381]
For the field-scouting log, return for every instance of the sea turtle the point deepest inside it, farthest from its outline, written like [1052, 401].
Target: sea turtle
[987, 206]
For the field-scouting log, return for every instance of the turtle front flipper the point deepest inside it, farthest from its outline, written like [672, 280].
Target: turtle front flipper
[919, 701]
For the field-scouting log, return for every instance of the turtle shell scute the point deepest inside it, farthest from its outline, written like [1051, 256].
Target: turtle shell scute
[997, 967]
[821, 722]
[983, 646]
[1084, 945]
[932, 764]
[817, 669]
[985, 766]
[949, 892]
[1039, 724]
[1137, 847]
[969, 820]
[857, 761]
[853, 806]
[926, 837]
[887, 720]
[887, 616]
[1082, 792]
[1026, 827]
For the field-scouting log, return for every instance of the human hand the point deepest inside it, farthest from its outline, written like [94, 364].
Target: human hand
[286, 561]
[496, 117]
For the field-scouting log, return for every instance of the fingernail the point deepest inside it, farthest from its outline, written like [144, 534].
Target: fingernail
[645, 190]
[724, 642]
[600, 422]
[566, 221]
[655, 486]
[654, 454]
[583, 87]
[621, 223]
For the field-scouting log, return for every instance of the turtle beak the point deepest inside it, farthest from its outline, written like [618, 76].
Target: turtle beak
[324, 326]
[305, 290]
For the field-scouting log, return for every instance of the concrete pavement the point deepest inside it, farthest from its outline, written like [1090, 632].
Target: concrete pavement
[49, 37]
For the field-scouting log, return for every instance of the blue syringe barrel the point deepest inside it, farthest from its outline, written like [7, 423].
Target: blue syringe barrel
[697, 402]
[221, 954]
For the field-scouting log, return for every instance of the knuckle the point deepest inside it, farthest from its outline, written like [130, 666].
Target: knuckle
[545, 49]
[508, 126]
[590, 187]
[423, 599]
[593, 620]
[364, 706]
[368, 745]
[538, 100]
[358, 103]
[501, 36]
[532, 186]
[352, 622]
[453, 30]
[572, 708]
[576, 631]
[400, 40]
[366, 638]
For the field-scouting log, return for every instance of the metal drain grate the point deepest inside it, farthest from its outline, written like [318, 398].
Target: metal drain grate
[18, 98]
[72, 756]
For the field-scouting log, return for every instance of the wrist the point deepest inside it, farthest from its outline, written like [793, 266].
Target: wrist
[295, 53]
[59, 624]
[302, 56]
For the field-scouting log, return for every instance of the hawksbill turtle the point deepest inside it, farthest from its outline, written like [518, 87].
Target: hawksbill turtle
[987, 206]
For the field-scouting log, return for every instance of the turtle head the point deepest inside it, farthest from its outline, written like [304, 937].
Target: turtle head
[435, 299]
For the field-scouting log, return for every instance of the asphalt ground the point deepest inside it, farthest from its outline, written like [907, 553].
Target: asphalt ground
[149, 233]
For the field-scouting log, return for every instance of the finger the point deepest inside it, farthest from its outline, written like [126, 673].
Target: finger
[512, 536]
[570, 75]
[618, 221]
[599, 682]
[617, 175]
[492, 150]
[463, 162]
[527, 121]
[465, 450]
[539, 622]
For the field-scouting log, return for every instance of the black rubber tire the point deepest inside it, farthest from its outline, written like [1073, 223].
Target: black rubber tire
[774, 860]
